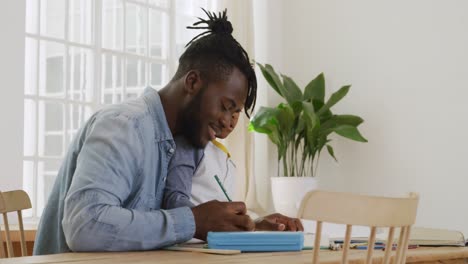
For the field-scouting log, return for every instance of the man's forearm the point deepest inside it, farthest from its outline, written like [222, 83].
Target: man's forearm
[94, 226]
[176, 199]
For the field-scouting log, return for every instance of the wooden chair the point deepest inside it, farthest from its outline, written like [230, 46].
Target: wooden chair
[354, 209]
[9, 202]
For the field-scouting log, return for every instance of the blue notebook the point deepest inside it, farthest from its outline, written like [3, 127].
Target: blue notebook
[257, 241]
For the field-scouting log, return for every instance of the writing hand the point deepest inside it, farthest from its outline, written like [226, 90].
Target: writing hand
[221, 216]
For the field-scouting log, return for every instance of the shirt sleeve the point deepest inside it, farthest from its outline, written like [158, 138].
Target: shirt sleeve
[181, 170]
[107, 165]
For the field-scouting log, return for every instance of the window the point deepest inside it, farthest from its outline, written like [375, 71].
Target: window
[83, 54]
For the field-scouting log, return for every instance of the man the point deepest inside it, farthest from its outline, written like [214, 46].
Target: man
[109, 190]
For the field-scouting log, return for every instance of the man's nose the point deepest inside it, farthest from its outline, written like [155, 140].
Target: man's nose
[226, 122]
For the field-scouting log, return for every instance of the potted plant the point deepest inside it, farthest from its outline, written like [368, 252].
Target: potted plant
[300, 129]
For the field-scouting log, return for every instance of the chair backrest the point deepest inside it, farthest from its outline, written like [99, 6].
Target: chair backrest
[354, 209]
[10, 202]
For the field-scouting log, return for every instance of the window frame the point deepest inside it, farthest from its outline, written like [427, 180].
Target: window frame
[169, 61]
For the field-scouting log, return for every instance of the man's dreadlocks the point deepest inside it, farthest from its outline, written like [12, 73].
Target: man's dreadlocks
[215, 53]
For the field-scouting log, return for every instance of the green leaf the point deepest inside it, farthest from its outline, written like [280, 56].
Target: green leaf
[321, 141]
[258, 129]
[286, 117]
[273, 136]
[264, 120]
[315, 89]
[324, 116]
[317, 104]
[331, 152]
[338, 120]
[351, 120]
[271, 77]
[335, 98]
[311, 119]
[350, 132]
[297, 107]
[308, 107]
[292, 93]
[300, 125]
[298, 140]
[312, 127]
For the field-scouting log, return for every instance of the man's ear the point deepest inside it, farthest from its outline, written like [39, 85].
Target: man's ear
[193, 82]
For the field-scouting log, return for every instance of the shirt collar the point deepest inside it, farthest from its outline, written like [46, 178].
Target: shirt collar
[162, 130]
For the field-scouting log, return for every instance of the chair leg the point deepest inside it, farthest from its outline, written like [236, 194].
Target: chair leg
[405, 242]
[346, 244]
[318, 233]
[401, 245]
[389, 245]
[371, 245]
[24, 250]
[8, 239]
[2, 249]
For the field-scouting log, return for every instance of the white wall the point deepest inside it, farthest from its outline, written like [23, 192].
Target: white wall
[11, 99]
[407, 62]
[268, 49]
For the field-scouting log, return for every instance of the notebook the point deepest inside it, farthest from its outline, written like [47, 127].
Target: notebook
[325, 242]
[336, 231]
[256, 241]
[423, 236]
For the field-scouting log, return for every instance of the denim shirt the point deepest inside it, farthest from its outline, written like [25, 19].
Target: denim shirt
[182, 168]
[109, 190]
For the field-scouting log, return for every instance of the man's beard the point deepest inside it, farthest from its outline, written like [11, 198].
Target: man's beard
[191, 125]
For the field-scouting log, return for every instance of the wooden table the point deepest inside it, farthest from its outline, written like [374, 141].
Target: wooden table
[420, 255]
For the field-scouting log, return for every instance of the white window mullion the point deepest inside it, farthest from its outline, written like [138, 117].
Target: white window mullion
[56, 100]
[35, 194]
[67, 64]
[147, 5]
[124, 42]
[31, 158]
[133, 55]
[61, 41]
[114, 22]
[83, 27]
[83, 58]
[98, 80]
[171, 60]
[148, 48]
[36, 147]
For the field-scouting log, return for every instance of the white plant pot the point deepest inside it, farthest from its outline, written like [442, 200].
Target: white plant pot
[288, 192]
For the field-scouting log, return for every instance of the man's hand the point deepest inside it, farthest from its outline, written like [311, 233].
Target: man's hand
[221, 216]
[278, 222]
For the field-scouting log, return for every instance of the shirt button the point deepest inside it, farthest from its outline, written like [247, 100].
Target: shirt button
[171, 150]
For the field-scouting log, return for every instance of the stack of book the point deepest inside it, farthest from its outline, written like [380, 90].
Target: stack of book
[419, 236]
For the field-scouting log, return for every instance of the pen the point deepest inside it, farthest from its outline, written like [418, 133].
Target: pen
[222, 188]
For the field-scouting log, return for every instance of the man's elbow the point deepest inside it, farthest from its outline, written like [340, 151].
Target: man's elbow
[87, 235]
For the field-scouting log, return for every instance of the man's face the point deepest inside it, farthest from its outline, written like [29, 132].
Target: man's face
[214, 110]
[227, 130]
